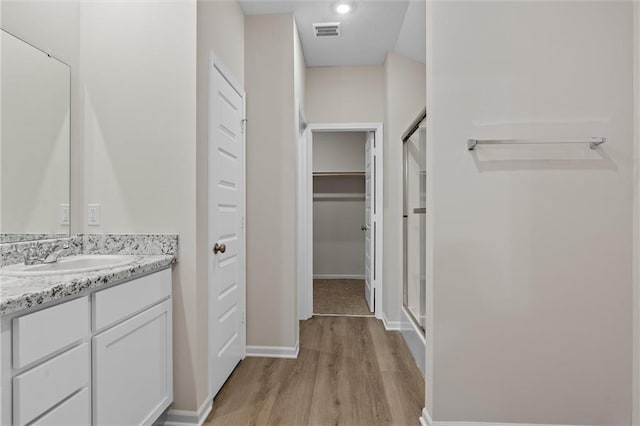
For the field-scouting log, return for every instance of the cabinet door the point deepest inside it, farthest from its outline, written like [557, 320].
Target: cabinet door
[132, 369]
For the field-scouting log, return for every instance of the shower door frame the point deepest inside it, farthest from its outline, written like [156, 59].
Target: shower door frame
[413, 128]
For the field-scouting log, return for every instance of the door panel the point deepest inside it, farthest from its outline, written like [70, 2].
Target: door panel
[226, 204]
[369, 240]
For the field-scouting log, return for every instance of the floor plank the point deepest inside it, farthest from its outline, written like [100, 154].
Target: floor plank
[350, 371]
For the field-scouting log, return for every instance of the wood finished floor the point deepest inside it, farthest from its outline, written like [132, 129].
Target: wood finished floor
[350, 371]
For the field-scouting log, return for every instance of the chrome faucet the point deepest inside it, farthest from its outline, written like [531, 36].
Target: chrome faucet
[56, 250]
[31, 257]
[55, 253]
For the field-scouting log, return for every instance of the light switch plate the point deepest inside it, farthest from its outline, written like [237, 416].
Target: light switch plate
[93, 214]
[64, 214]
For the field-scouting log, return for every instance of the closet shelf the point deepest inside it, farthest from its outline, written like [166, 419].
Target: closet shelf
[337, 174]
[339, 196]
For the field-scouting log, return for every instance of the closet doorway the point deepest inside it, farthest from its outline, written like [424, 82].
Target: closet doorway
[340, 218]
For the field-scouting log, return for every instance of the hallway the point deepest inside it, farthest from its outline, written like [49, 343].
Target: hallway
[350, 371]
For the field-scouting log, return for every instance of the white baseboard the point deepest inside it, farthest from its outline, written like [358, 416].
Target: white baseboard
[447, 423]
[273, 351]
[426, 420]
[414, 338]
[337, 277]
[391, 325]
[187, 418]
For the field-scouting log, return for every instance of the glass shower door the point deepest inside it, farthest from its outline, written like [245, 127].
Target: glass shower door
[414, 221]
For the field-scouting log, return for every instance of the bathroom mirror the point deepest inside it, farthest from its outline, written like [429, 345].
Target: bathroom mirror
[34, 142]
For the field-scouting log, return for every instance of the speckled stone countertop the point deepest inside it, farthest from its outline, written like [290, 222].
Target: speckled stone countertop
[150, 253]
[18, 293]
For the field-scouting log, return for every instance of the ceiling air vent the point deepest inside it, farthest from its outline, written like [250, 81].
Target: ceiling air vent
[327, 29]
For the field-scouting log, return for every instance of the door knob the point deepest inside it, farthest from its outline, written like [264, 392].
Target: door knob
[364, 227]
[219, 248]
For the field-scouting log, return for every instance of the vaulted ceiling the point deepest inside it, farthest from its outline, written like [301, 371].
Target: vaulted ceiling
[367, 33]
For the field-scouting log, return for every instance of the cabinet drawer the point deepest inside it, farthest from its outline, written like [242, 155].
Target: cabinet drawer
[116, 303]
[76, 411]
[44, 332]
[46, 385]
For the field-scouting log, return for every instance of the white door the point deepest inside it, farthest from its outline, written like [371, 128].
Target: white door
[370, 223]
[226, 234]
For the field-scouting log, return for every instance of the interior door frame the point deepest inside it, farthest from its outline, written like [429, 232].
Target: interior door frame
[216, 64]
[304, 212]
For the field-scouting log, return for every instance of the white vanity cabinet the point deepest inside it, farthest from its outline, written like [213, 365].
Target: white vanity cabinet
[132, 362]
[104, 358]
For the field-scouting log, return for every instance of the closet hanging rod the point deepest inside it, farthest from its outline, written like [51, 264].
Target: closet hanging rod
[593, 142]
[338, 197]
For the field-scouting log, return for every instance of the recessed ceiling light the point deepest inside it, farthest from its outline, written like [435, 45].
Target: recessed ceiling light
[343, 8]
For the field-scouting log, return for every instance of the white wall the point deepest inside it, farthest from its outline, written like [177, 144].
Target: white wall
[530, 246]
[301, 136]
[345, 94]
[405, 81]
[411, 40]
[138, 62]
[339, 151]
[221, 31]
[271, 180]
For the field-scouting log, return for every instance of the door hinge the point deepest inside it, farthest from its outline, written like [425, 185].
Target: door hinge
[243, 125]
[242, 223]
[244, 317]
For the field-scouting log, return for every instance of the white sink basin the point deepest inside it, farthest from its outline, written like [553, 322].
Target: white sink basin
[68, 265]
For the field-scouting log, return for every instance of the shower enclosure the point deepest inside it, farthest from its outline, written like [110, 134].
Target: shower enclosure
[414, 226]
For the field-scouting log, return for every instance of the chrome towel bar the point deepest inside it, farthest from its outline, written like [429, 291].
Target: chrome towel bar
[593, 142]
